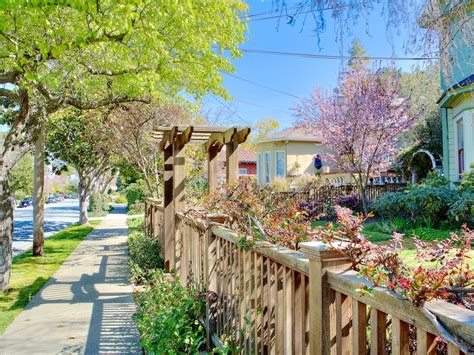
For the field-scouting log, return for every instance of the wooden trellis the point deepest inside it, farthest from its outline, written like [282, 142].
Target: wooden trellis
[172, 143]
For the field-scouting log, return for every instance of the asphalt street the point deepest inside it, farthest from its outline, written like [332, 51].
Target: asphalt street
[57, 216]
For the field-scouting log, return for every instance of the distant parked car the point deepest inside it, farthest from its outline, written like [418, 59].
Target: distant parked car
[52, 199]
[26, 202]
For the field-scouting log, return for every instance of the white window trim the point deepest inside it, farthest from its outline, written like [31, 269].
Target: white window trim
[259, 174]
[284, 163]
[241, 171]
[460, 121]
[264, 180]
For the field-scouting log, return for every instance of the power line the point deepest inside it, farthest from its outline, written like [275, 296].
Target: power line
[231, 111]
[309, 11]
[263, 86]
[276, 10]
[326, 56]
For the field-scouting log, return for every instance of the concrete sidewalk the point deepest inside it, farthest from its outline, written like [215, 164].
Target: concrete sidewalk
[87, 306]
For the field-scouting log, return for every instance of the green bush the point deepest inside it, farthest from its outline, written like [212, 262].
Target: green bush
[144, 252]
[425, 205]
[467, 182]
[136, 208]
[168, 317]
[98, 204]
[120, 199]
[135, 193]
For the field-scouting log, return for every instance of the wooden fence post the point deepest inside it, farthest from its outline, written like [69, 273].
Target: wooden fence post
[322, 300]
[210, 272]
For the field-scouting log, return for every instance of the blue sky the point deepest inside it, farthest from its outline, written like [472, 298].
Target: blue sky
[293, 75]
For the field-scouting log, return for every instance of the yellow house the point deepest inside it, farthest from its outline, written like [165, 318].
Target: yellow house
[290, 153]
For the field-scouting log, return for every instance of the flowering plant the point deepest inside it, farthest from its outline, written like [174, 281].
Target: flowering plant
[256, 211]
[443, 271]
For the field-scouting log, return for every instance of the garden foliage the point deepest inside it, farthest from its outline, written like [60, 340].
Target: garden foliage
[167, 314]
[430, 204]
[448, 267]
[99, 204]
[168, 317]
[443, 266]
[135, 192]
[255, 211]
[144, 251]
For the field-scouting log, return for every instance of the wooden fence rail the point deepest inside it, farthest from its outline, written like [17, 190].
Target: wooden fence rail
[273, 300]
[328, 193]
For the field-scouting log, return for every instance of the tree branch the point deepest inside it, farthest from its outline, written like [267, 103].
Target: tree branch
[9, 77]
[9, 94]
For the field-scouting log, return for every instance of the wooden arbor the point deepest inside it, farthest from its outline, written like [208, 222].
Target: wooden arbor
[172, 143]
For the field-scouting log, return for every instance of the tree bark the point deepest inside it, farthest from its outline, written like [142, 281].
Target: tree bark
[38, 193]
[83, 199]
[6, 234]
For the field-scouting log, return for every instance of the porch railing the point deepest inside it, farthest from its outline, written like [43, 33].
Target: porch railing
[270, 299]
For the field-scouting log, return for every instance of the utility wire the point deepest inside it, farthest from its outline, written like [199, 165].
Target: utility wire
[231, 111]
[309, 11]
[326, 56]
[263, 86]
[276, 10]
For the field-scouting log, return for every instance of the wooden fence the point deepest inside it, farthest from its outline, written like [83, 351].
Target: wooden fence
[323, 197]
[273, 300]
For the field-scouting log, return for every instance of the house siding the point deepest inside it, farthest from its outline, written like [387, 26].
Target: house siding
[462, 108]
[300, 152]
[251, 168]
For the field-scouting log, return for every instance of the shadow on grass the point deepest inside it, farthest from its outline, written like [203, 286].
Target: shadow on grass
[27, 293]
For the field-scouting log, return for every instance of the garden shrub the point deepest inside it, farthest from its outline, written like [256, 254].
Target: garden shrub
[280, 184]
[425, 205]
[352, 202]
[168, 317]
[144, 252]
[98, 204]
[135, 193]
[136, 208]
[120, 199]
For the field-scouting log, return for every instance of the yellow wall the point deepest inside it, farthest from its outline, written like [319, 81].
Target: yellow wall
[295, 152]
[462, 108]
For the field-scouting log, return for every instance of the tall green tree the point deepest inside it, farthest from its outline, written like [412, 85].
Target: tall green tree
[358, 55]
[426, 133]
[76, 138]
[90, 54]
[21, 177]
[262, 128]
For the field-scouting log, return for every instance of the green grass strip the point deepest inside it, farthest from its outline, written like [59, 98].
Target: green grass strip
[30, 273]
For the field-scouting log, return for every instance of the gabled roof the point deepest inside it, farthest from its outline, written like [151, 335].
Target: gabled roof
[245, 155]
[294, 134]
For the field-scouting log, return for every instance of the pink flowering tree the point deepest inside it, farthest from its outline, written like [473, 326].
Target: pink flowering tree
[361, 121]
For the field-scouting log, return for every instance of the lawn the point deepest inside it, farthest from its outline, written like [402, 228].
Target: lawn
[30, 273]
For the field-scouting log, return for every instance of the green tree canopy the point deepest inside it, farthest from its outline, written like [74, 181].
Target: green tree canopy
[423, 87]
[77, 138]
[21, 177]
[260, 130]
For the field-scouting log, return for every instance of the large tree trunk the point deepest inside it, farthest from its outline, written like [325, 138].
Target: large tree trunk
[83, 199]
[6, 235]
[38, 193]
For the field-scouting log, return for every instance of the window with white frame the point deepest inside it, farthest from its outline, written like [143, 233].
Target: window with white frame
[243, 171]
[460, 136]
[280, 164]
[259, 173]
[266, 167]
